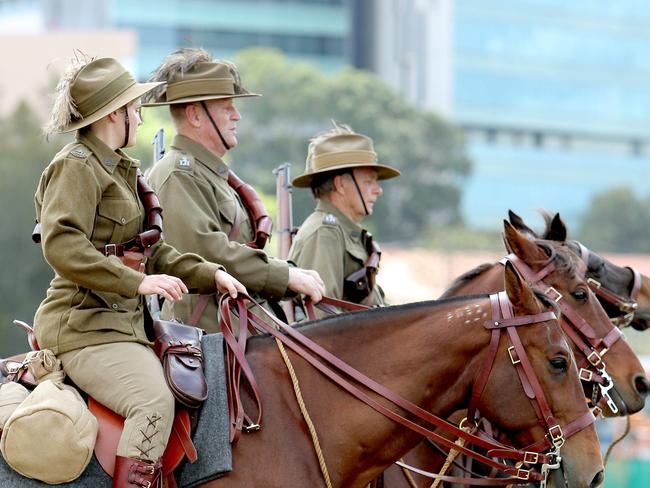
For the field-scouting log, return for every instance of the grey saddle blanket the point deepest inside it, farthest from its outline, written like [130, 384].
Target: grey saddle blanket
[211, 437]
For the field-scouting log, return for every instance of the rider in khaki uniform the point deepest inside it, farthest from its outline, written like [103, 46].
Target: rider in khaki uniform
[203, 213]
[105, 260]
[343, 174]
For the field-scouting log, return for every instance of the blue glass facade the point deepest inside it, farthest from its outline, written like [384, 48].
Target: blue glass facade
[555, 99]
[315, 30]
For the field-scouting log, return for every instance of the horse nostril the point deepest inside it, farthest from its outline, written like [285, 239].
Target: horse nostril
[642, 385]
[598, 480]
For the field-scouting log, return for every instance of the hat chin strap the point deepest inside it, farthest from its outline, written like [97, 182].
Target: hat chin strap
[216, 127]
[363, 202]
[126, 128]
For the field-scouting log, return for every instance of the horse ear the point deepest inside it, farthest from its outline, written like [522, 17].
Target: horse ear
[521, 295]
[557, 229]
[520, 246]
[518, 223]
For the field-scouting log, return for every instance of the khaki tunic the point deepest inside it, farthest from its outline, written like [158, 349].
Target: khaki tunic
[330, 243]
[200, 210]
[87, 198]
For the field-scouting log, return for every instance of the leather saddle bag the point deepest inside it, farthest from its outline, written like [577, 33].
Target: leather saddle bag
[179, 348]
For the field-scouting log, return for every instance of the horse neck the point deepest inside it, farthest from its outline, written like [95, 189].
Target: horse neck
[427, 354]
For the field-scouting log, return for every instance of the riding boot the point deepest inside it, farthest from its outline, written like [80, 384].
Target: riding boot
[135, 473]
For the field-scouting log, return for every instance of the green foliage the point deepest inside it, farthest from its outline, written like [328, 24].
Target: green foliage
[298, 102]
[617, 221]
[23, 156]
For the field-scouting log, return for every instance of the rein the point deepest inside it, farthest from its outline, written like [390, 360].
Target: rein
[591, 366]
[337, 371]
[627, 305]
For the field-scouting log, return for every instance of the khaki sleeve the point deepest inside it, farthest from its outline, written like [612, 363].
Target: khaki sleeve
[191, 220]
[192, 269]
[70, 194]
[324, 251]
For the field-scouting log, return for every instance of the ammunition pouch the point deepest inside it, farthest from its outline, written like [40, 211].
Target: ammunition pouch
[179, 348]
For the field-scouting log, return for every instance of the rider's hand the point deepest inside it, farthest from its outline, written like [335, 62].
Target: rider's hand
[228, 284]
[307, 282]
[170, 287]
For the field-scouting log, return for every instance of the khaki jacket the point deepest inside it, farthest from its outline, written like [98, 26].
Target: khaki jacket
[87, 198]
[200, 210]
[330, 243]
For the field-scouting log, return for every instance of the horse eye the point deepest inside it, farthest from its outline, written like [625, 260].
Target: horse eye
[560, 364]
[580, 295]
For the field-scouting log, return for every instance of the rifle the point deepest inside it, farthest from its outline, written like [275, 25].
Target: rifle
[283, 191]
[158, 143]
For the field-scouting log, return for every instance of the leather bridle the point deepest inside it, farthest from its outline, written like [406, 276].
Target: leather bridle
[593, 347]
[627, 305]
[544, 452]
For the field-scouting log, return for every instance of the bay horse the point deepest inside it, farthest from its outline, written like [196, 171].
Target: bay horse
[623, 291]
[569, 287]
[430, 353]
[566, 279]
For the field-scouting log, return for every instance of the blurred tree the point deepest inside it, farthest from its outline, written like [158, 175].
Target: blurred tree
[23, 156]
[617, 221]
[299, 101]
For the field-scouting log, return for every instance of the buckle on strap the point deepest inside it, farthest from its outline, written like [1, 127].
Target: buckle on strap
[551, 290]
[596, 284]
[586, 375]
[531, 457]
[110, 249]
[523, 474]
[556, 435]
[511, 350]
[594, 358]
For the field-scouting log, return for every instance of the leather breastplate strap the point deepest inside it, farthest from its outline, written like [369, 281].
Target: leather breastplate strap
[260, 220]
[359, 284]
[152, 224]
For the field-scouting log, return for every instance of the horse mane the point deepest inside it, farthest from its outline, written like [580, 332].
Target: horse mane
[369, 315]
[468, 276]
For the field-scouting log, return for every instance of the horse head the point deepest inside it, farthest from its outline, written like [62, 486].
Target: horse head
[594, 339]
[613, 286]
[522, 412]
[618, 280]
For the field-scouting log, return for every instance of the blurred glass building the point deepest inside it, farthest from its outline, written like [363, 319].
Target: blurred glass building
[553, 95]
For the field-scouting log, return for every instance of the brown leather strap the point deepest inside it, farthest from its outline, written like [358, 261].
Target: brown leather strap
[152, 224]
[234, 230]
[261, 222]
[301, 345]
[199, 308]
[184, 437]
[327, 303]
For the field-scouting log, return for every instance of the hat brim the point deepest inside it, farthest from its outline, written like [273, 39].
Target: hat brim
[132, 93]
[199, 98]
[384, 172]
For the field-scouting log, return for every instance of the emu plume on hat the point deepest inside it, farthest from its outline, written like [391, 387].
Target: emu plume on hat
[90, 90]
[193, 75]
[341, 148]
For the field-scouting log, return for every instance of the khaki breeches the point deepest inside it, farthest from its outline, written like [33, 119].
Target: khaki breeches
[128, 378]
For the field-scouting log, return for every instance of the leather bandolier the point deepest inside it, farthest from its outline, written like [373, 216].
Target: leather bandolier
[261, 222]
[358, 285]
[133, 252]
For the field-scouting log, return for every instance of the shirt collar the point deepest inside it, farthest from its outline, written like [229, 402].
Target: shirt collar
[350, 227]
[109, 158]
[201, 154]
